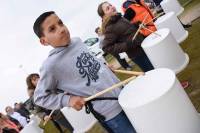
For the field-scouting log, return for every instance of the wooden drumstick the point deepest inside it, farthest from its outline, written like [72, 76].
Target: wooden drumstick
[45, 122]
[155, 18]
[139, 27]
[151, 31]
[109, 89]
[129, 72]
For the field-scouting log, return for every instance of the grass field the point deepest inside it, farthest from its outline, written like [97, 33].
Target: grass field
[192, 72]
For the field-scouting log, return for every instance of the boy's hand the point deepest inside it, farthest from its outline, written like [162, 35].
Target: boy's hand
[76, 102]
[111, 67]
[47, 118]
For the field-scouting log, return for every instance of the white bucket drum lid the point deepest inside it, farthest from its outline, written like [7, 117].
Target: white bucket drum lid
[169, 20]
[154, 39]
[172, 5]
[157, 103]
[164, 52]
[145, 89]
[80, 121]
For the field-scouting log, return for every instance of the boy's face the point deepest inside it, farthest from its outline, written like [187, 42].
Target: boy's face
[55, 33]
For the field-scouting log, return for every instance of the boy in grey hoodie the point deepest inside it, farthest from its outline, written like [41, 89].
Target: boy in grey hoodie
[70, 68]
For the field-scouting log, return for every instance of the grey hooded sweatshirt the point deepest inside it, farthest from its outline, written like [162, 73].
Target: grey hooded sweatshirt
[75, 71]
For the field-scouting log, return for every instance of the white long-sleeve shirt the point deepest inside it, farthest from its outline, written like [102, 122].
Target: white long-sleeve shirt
[20, 118]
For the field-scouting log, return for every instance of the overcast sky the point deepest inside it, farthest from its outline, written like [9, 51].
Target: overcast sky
[21, 52]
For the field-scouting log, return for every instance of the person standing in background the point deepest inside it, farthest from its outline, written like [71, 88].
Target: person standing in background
[10, 112]
[7, 126]
[136, 11]
[57, 118]
[19, 107]
[119, 34]
[123, 61]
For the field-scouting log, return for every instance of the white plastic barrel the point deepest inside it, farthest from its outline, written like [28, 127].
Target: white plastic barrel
[172, 5]
[81, 121]
[164, 52]
[171, 21]
[157, 103]
[32, 126]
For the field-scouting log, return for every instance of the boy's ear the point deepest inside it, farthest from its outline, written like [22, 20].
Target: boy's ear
[43, 41]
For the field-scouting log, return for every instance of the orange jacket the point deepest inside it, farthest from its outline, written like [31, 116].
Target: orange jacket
[140, 12]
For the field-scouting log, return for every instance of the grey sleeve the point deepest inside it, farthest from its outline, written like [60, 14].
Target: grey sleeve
[43, 95]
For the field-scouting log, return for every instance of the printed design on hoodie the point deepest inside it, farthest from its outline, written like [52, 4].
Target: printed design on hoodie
[88, 67]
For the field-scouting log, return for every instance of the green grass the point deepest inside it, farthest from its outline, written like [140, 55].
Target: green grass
[50, 128]
[183, 2]
[192, 73]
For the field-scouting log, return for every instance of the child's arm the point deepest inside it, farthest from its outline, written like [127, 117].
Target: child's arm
[44, 96]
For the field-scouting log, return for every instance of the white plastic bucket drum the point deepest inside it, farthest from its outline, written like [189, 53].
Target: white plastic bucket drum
[81, 121]
[157, 103]
[172, 5]
[171, 21]
[164, 52]
[32, 127]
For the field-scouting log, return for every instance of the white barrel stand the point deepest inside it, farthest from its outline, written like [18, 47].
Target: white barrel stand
[164, 52]
[32, 126]
[157, 103]
[171, 21]
[172, 5]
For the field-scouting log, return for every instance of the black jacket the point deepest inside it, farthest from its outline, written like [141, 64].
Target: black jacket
[118, 34]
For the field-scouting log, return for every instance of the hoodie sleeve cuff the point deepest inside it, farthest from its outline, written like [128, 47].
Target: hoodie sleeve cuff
[65, 101]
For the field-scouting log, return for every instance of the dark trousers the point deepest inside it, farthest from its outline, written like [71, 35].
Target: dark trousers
[157, 2]
[60, 120]
[57, 126]
[143, 62]
[122, 62]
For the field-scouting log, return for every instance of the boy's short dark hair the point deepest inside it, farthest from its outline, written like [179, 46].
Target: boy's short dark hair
[37, 25]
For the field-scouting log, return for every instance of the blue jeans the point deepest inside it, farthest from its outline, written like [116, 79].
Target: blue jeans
[143, 62]
[119, 124]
